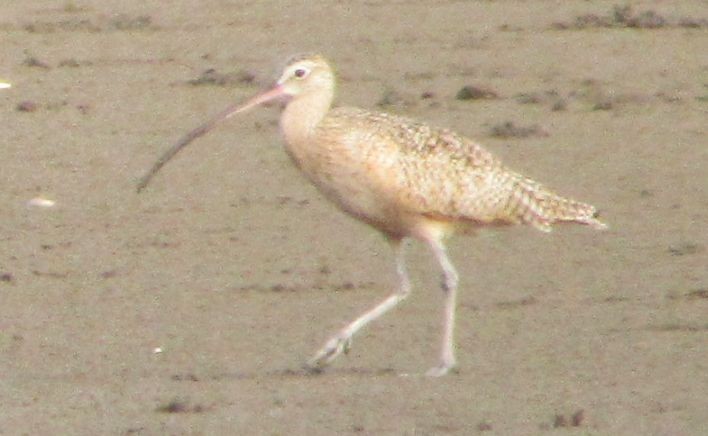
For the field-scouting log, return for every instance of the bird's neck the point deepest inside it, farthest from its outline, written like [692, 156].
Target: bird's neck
[302, 115]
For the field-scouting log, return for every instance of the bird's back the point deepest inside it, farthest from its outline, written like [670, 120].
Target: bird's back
[379, 166]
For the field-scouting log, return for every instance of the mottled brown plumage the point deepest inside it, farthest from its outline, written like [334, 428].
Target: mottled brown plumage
[402, 177]
[439, 174]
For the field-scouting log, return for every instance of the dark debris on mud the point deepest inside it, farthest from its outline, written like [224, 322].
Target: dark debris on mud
[118, 22]
[573, 420]
[286, 373]
[34, 62]
[27, 106]
[526, 301]
[625, 17]
[280, 287]
[211, 77]
[593, 95]
[30, 106]
[550, 97]
[692, 295]
[508, 129]
[589, 94]
[685, 249]
[678, 327]
[697, 294]
[178, 405]
[484, 426]
[393, 98]
[470, 92]
[185, 377]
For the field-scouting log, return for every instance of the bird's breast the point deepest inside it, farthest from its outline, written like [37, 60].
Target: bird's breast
[342, 169]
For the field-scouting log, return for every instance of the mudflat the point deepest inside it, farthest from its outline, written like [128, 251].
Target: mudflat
[190, 308]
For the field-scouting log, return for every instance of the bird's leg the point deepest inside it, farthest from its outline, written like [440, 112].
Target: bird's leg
[449, 286]
[342, 340]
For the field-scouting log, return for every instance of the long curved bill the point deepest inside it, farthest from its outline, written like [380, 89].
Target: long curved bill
[272, 94]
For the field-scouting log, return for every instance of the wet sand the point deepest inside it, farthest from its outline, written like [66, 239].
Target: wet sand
[190, 308]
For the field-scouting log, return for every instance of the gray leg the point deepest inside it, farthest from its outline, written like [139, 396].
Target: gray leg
[342, 340]
[449, 285]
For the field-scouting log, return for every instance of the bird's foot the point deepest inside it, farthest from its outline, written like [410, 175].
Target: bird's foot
[333, 348]
[441, 370]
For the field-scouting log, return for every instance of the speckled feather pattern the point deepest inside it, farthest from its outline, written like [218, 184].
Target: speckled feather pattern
[437, 173]
[401, 175]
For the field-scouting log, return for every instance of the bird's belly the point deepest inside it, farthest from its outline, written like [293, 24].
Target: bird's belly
[355, 193]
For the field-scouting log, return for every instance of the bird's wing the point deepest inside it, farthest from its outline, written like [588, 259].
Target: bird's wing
[437, 173]
[433, 171]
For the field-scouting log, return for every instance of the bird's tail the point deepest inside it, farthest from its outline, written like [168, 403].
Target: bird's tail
[540, 207]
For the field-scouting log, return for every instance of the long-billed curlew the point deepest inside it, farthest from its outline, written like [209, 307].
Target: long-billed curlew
[402, 177]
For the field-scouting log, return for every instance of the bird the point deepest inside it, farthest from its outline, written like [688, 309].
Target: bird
[406, 179]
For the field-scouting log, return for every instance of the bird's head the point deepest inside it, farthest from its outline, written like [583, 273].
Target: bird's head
[306, 74]
[303, 74]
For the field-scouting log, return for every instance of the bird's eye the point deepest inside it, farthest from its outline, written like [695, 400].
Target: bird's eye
[300, 73]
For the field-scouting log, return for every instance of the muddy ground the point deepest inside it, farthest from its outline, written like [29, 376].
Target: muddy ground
[190, 308]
